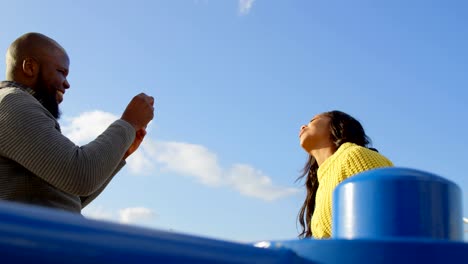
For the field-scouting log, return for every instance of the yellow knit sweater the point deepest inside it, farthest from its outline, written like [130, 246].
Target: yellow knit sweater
[348, 160]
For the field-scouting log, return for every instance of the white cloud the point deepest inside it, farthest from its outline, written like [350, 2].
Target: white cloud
[251, 182]
[87, 126]
[187, 159]
[245, 6]
[131, 215]
[181, 158]
[135, 215]
[98, 213]
[465, 220]
[139, 163]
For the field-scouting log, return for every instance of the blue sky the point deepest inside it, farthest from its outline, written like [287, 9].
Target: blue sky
[234, 81]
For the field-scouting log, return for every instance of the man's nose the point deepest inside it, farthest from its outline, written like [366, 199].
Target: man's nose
[66, 84]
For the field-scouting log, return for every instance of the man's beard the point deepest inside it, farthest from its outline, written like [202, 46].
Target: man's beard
[47, 98]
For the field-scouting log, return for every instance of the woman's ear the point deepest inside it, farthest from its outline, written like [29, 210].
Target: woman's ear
[30, 67]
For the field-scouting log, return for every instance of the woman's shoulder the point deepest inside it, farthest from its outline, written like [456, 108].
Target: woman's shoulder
[352, 148]
[349, 148]
[356, 152]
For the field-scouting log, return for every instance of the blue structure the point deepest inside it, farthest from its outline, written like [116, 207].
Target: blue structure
[398, 203]
[37, 235]
[390, 215]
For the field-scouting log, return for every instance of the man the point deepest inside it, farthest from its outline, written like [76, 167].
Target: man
[39, 165]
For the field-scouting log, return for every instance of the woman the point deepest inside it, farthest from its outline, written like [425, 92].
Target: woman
[337, 147]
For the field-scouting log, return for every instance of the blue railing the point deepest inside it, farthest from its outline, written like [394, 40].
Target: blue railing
[390, 215]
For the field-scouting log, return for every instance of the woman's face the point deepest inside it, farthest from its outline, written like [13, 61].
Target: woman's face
[316, 134]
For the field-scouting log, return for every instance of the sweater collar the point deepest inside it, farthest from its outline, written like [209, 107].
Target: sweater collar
[6, 84]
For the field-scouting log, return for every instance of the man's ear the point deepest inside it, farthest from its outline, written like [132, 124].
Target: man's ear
[30, 67]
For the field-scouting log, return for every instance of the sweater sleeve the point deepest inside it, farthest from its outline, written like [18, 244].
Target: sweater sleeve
[85, 200]
[30, 136]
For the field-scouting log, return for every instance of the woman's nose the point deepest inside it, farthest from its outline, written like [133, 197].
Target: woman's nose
[303, 126]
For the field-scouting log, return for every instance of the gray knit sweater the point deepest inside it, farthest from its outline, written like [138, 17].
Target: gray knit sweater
[39, 165]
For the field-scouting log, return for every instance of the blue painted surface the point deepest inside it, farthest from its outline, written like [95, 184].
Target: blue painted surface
[382, 251]
[397, 202]
[39, 235]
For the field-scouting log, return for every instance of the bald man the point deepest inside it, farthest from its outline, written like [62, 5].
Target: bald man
[38, 164]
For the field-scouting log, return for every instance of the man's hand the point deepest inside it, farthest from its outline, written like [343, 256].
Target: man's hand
[140, 134]
[140, 111]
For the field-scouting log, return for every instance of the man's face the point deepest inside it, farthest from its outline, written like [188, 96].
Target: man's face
[52, 81]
